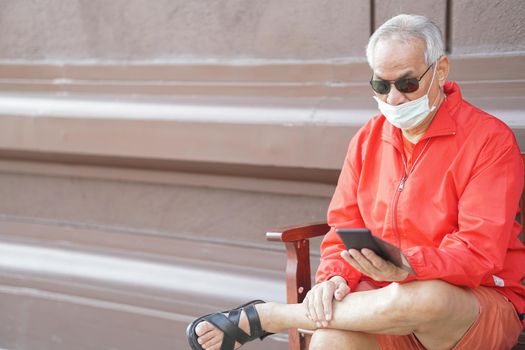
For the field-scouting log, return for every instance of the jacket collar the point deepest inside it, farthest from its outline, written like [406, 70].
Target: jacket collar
[443, 124]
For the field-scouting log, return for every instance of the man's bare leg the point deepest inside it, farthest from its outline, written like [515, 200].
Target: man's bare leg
[335, 339]
[436, 312]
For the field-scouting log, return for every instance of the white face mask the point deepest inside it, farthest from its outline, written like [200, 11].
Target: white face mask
[410, 114]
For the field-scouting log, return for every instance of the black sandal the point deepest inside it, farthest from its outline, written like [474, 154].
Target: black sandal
[229, 325]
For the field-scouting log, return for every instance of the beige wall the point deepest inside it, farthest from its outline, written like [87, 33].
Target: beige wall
[489, 27]
[173, 30]
[237, 29]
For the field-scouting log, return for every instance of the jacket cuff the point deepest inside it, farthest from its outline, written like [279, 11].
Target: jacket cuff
[414, 259]
[351, 276]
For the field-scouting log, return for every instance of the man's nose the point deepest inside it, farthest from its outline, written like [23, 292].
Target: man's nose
[395, 97]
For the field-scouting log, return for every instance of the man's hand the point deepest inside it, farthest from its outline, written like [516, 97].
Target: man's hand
[369, 263]
[318, 301]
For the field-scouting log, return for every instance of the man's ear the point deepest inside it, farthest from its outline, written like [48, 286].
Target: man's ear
[443, 69]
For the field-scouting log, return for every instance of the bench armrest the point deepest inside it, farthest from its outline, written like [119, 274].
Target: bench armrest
[298, 276]
[298, 233]
[296, 240]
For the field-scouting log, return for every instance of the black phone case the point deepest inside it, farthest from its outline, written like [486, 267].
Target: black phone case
[362, 238]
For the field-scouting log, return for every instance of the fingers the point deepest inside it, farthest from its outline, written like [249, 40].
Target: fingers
[363, 261]
[318, 303]
[374, 259]
[311, 305]
[309, 302]
[325, 306]
[341, 291]
[372, 265]
[345, 254]
[381, 269]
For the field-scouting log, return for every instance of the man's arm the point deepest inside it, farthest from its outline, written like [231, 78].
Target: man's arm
[342, 212]
[486, 213]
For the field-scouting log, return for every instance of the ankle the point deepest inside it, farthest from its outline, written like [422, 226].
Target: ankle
[266, 313]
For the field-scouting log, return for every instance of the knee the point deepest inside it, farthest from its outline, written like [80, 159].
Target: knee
[422, 300]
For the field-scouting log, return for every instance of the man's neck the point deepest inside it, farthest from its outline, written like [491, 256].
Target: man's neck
[415, 134]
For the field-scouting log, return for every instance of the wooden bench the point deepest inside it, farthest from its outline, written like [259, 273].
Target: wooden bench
[298, 272]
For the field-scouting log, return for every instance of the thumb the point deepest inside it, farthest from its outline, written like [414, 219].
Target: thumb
[341, 291]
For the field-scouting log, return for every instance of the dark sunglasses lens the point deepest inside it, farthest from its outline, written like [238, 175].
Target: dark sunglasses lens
[380, 86]
[407, 85]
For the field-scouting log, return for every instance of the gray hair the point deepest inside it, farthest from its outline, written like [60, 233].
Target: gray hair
[406, 28]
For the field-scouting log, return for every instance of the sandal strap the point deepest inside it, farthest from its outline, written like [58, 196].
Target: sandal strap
[228, 343]
[229, 329]
[256, 330]
[261, 333]
[235, 316]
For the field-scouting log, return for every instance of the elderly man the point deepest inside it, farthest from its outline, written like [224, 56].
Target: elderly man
[438, 178]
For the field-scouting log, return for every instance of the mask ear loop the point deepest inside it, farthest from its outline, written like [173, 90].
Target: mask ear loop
[442, 89]
[433, 108]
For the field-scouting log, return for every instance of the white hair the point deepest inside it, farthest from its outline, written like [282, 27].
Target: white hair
[406, 28]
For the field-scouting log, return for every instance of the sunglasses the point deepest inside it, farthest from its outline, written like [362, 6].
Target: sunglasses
[404, 85]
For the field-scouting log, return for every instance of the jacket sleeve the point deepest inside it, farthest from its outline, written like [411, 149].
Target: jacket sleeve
[342, 212]
[486, 214]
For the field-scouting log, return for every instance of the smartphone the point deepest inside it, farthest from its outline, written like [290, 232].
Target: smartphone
[359, 238]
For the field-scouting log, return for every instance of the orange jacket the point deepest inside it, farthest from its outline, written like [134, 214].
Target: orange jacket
[452, 213]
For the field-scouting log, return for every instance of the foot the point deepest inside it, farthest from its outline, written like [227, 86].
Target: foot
[229, 329]
[210, 337]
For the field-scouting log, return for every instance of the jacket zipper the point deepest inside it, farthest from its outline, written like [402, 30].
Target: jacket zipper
[400, 189]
